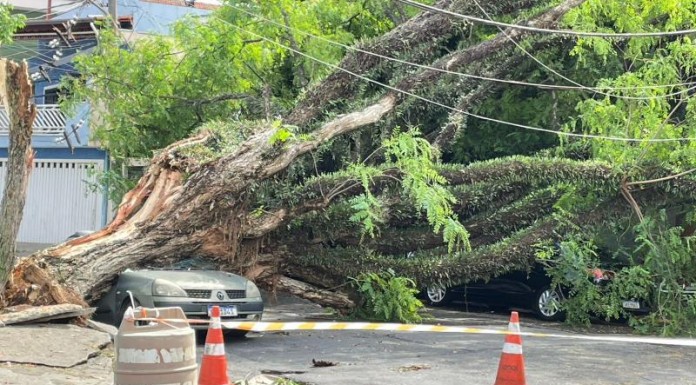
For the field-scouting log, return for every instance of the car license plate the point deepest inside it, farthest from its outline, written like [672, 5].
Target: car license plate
[631, 304]
[225, 311]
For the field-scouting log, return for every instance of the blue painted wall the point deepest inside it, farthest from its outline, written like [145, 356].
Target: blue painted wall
[147, 17]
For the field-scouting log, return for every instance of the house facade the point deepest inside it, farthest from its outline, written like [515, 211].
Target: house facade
[64, 195]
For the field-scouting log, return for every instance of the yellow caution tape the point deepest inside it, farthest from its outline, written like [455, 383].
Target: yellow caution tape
[287, 326]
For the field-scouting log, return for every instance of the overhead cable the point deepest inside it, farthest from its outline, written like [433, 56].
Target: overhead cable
[577, 86]
[546, 30]
[404, 92]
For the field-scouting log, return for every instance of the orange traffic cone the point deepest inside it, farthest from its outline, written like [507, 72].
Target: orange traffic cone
[214, 363]
[511, 367]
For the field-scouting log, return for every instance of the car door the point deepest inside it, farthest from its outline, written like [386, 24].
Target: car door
[511, 289]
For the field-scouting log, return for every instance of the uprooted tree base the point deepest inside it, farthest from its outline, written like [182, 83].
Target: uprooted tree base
[166, 216]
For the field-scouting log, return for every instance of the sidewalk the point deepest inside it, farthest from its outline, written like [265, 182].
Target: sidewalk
[54, 354]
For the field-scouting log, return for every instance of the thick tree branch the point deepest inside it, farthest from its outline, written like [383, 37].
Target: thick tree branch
[460, 59]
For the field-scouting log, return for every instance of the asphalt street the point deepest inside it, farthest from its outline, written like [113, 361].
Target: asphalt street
[67, 355]
[372, 358]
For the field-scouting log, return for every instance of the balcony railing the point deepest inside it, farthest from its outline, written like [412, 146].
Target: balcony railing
[49, 120]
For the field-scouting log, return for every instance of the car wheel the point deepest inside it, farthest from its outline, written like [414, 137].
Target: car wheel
[438, 295]
[547, 304]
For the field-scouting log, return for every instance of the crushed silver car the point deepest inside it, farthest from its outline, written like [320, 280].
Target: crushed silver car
[191, 284]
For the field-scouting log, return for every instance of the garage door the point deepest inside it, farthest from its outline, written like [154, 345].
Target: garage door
[59, 201]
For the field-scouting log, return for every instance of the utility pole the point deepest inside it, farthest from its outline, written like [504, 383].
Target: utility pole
[113, 11]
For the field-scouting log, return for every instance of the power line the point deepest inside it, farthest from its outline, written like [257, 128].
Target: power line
[562, 133]
[40, 55]
[404, 92]
[546, 30]
[577, 86]
[46, 55]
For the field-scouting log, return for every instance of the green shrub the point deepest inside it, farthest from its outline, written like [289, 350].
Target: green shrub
[671, 261]
[659, 265]
[386, 297]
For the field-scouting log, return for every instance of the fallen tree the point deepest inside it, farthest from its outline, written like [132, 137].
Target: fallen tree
[223, 193]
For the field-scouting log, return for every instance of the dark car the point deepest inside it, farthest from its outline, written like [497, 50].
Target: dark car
[190, 284]
[519, 289]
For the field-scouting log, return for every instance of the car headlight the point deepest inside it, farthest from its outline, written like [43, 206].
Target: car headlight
[164, 288]
[252, 291]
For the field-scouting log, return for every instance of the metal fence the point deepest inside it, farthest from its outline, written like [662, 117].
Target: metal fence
[49, 120]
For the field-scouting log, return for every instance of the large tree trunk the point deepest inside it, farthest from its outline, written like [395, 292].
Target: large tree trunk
[169, 216]
[16, 95]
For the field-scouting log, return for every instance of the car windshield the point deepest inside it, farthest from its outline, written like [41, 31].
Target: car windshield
[194, 263]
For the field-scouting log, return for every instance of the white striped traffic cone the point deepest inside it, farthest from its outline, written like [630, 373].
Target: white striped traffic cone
[214, 363]
[511, 367]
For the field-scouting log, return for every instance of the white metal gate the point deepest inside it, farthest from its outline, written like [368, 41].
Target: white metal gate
[59, 201]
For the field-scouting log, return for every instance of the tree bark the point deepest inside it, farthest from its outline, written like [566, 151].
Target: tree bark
[16, 95]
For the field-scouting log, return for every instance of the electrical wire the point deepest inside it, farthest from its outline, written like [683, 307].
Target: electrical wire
[550, 31]
[46, 56]
[562, 133]
[40, 55]
[578, 86]
[404, 92]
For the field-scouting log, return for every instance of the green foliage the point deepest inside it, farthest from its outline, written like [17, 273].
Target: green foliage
[643, 110]
[671, 262]
[421, 181]
[9, 23]
[161, 88]
[629, 16]
[226, 136]
[367, 213]
[367, 208]
[387, 297]
[281, 135]
[481, 139]
[654, 273]
[572, 266]
[421, 184]
[110, 182]
[284, 133]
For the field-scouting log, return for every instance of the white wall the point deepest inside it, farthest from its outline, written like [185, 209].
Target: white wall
[58, 200]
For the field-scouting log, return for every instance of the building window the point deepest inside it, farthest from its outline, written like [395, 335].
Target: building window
[52, 95]
[134, 168]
